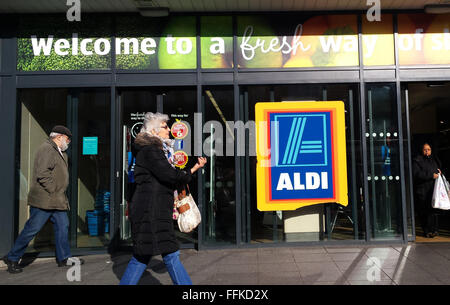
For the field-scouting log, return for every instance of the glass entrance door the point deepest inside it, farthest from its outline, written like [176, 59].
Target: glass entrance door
[86, 112]
[179, 104]
[384, 175]
[428, 109]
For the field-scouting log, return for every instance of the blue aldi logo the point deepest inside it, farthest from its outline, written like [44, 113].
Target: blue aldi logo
[307, 161]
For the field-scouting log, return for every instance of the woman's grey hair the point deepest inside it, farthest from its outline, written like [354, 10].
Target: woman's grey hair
[152, 121]
[54, 135]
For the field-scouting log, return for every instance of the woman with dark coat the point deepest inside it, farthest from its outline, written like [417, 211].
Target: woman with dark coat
[425, 171]
[151, 208]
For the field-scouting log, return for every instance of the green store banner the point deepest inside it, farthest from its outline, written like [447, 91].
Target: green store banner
[48, 43]
[156, 43]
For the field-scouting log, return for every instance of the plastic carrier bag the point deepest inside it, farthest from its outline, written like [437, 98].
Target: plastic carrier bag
[441, 196]
[189, 215]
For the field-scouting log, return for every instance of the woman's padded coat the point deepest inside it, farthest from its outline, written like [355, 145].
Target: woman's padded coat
[151, 208]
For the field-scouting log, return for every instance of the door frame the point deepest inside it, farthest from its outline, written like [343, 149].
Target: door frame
[405, 100]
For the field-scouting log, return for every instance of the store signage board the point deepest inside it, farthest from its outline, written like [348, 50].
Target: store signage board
[301, 152]
[90, 145]
[281, 41]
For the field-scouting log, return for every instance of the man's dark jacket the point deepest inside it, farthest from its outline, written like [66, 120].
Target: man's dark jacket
[151, 209]
[50, 178]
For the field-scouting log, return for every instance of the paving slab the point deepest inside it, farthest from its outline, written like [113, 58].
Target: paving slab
[415, 264]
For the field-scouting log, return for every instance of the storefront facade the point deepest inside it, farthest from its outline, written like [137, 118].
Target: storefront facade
[100, 75]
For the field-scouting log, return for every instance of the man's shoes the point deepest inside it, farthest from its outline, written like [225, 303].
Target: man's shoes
[430, 235]
[13, 267]
[435, 234]
[70, 261]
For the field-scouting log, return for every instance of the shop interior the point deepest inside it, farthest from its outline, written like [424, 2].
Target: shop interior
[429, 110]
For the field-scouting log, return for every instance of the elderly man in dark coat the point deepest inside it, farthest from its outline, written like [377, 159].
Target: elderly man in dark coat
[151, 207]
[426, 171]
[47, 200]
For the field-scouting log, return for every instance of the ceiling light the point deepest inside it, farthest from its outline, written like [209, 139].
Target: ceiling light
[436, 84]
[148, 8]
[154, 11]
[443, 8]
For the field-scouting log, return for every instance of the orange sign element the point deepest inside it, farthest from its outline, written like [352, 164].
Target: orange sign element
[301, 154]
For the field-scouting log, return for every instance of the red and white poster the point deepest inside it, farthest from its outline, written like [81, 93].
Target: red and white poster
[179, 130]
[180, 159]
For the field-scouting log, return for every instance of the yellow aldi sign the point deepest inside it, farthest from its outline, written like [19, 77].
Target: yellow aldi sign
[301, 154]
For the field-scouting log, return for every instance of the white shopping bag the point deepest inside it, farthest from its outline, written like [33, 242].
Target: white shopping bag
[441, 190]
[189, 216]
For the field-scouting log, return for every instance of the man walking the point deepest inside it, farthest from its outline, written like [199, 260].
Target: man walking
[47, 200]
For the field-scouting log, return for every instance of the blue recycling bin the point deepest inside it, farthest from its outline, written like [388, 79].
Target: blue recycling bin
[95, 220]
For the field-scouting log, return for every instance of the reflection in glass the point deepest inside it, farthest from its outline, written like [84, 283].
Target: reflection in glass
[219, 173]
[93, 167]
[349, 222]
[384, 162]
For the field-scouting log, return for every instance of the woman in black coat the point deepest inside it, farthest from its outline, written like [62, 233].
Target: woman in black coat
[425, 171]
[151, 208]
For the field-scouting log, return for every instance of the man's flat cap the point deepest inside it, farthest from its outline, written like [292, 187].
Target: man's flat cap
[62, 130]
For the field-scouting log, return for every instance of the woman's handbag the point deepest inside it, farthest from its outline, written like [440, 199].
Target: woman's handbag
[189, 215]
[441, 193]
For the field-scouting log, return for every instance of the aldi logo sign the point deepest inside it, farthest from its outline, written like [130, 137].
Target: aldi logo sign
[301, 154]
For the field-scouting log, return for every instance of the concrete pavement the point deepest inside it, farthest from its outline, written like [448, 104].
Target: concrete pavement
[422, 264]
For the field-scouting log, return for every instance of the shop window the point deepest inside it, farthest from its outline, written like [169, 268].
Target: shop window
[93, 167]
[219, 209]
[312, 223]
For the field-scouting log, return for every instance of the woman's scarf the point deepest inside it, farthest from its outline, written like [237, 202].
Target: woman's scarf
[167, 148]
